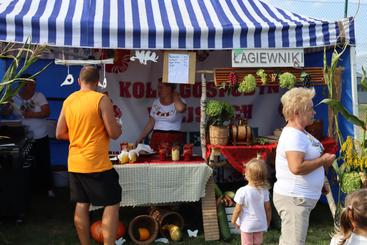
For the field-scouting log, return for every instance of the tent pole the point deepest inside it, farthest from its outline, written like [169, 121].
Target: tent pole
[346, 9]
[202, 111]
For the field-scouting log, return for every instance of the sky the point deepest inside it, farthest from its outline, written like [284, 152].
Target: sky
[333, 10]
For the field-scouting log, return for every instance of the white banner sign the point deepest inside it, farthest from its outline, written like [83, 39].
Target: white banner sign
[133, 92]
[267, 58]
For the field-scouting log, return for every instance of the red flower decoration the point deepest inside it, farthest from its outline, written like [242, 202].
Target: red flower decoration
[121, 60]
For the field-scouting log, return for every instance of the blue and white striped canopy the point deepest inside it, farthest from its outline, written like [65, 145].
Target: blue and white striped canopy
[165, 24]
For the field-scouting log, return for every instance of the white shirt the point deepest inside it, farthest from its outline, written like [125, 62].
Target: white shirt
[38, 126]
[354, 239]
[253, 216]
[165, 116]
[289, 184]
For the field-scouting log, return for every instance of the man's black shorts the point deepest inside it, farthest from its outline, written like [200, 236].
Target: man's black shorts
[99, 189]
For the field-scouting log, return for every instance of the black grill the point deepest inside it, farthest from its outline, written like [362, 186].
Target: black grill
[15, 170]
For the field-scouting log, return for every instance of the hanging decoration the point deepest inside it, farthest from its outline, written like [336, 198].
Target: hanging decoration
[69, 80]
[103, 85]
[144, 56]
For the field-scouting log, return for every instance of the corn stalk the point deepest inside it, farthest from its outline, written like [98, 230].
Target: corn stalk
[337, 108]
[21, 58]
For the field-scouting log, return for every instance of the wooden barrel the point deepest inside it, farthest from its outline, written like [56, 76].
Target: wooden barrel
[218, 135]
[166, 217]
[242, 134]
[143, 221]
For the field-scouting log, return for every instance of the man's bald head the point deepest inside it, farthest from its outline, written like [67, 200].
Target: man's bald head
[89, 74]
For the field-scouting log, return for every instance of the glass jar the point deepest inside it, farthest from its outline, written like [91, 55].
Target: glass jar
[175, 153]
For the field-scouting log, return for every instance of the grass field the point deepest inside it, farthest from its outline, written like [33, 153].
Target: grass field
[49, 222]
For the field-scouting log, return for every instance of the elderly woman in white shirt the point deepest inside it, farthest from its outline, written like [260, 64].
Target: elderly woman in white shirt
[299, 167]
[165, 118]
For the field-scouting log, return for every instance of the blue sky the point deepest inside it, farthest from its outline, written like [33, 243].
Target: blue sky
[333, 10]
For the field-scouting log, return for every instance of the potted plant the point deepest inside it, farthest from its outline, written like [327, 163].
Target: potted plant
[218, 113]
[287, 80]
[263, 76]
[248, 84]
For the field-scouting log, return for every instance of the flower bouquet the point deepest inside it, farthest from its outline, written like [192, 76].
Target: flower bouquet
[353, 171]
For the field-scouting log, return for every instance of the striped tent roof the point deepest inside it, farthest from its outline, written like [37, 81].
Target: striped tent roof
[166, 24]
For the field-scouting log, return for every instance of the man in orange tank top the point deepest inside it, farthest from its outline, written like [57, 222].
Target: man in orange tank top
[87, 121]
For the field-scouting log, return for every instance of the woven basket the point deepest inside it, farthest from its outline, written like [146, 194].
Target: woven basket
[167, 217]
[218, 135]
[143, 221]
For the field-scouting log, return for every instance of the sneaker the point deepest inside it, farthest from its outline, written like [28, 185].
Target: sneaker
[51, 193]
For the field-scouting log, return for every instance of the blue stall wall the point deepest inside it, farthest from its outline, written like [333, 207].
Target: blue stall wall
[48, 82]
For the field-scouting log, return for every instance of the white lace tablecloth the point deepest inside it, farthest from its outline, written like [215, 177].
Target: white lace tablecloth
[145, 184]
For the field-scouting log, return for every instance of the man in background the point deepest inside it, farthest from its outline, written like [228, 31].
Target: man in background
[32, 108]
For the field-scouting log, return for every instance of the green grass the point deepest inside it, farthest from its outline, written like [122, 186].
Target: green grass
[49, 222]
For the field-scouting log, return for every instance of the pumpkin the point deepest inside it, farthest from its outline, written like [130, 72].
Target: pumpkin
[96, 231]
[144, 234]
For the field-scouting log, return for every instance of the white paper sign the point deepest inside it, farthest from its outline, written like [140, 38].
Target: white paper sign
[178, 68]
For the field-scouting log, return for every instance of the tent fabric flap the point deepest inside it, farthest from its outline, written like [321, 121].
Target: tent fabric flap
[169, 24]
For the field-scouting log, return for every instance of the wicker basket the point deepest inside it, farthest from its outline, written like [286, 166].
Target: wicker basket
[143, 221]
[218, 135]
[167, 217]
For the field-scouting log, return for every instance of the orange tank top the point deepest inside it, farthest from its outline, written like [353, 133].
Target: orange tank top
[89, 140]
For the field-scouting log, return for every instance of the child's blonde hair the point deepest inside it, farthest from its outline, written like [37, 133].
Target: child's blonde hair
[355, 210]
[256, 172]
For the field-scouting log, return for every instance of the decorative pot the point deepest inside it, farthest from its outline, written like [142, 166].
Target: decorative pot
[218, 135]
